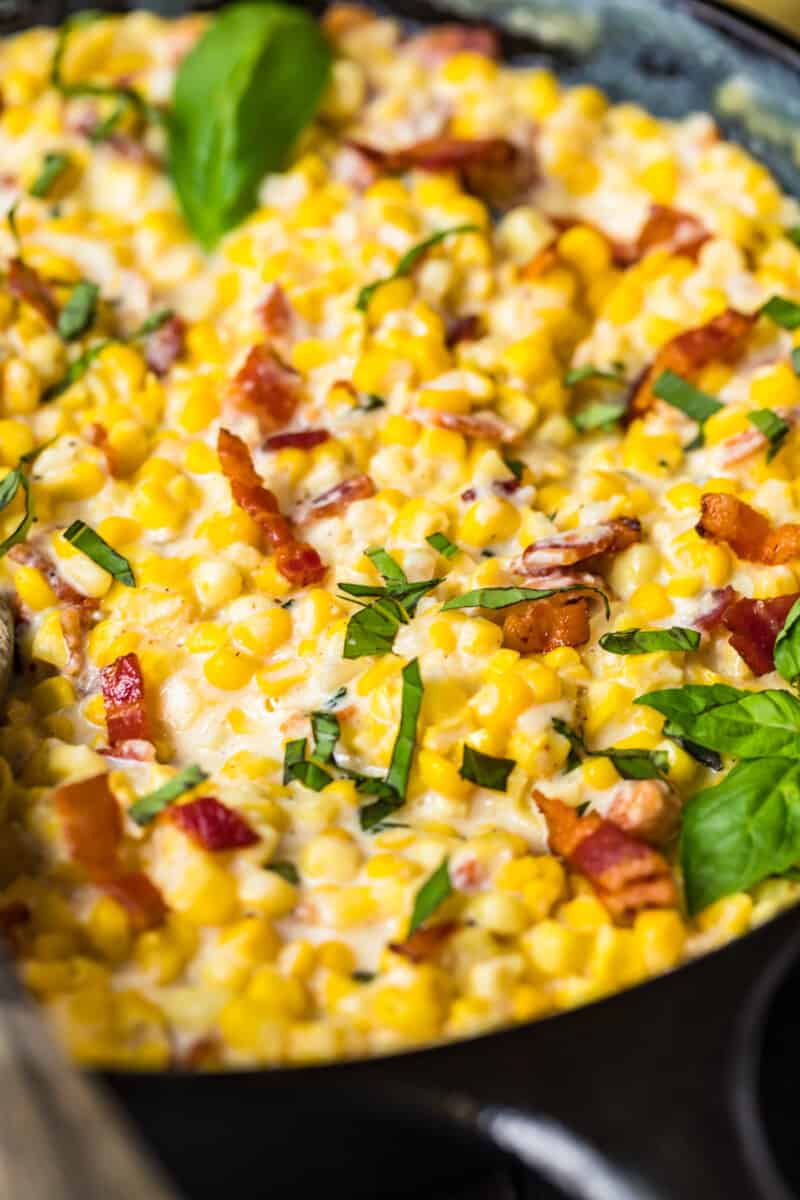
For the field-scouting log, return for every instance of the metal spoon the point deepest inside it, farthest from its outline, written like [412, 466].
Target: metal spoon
[61, 1138]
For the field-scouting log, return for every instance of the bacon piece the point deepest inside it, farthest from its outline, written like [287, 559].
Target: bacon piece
[665, 229]
[213, 825]
[303, 439]
[722, 338]
[26, 284]
[92, 823]
[265, 387]
[275, 311]
[123, 697]
[537, 626]
[203, 1052]
[647, 809]
[437, 45]
[132, 750]
[297, 561]
[485, 425]
[727, 519]
[626, 873]
[735, 449]
[335, 500]
[721, 600]
[341, 19]
[468, 875]
[540, 264]
[754, 626]
[353, 168]
[13, 917]
[493, 167]
[140, 898]
[462, 329]
[165, 345]
[425, 943]
[579, 545]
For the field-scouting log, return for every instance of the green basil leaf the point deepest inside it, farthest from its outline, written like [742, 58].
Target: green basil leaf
[796, 360]
[440, 542]
[362, 976]
[433, 892]
[709, 758]
[79, 312]
[598, 416]
[286, 870]
[503, 597]
[371, 816]
[54, 165]
[325, 728]
[242, 96]
[793, 234]
[773, 427]
[13, 226]
[783, 312]
[682, 706]
[787, 646]
[403, 752]
[758, 725]
[646, 641]
[76, 370]
[9, 486]
[370, 403]
[742, 830]
[152, 323]
[373, 628]
[485, 770]
[127, 94]
[688, 399]
[577, 747]
[143, 810]
[631, 764]
[333, 701]
[104, 129]
[409, 260]
[83, 538]
[589, 371]
[391, 571]
[296, 766]
[516, 466]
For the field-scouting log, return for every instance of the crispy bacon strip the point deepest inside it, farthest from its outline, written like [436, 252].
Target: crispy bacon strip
[265, 387]
[485, 425]
[213, 825]
[537, 626]
[742, 445]
[165, 345]
[437, 45]
[665, 229]
[626, 873]
[754, 626]
[13, 919]
[493, 167]
[297, 561]
[92, 824]
[275, 311]
[425, 943]
[336, 499]
[749, 534]
[123, 697]
[722, 338]
[721, 600]
[302, 439]
[26, 284]
[140, 898]
[462, 329]
[647, 809]
[579, 545]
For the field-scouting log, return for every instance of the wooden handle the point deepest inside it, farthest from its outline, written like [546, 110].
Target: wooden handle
[60, 1137]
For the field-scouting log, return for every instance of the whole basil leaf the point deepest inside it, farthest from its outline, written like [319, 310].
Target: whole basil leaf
[242, 96]
[742, 830]
[645, 641]
[372, 629]
[773, 427]
[682, 706]
[787, 645]
[434, 891]
[758, 725]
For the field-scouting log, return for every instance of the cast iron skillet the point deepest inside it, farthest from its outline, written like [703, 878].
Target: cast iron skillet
[652, 1094]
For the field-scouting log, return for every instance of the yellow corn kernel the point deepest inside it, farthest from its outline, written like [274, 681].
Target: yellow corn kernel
[540, 94]
[201, 459]
[777, 386]
[713, 562]
[660, 179]
[728, 917]
[502, 914]
[49, 644]
[500, 701]
[336, 956]
[52, 694]
[490, 519]
[661, 935]
[16, 439]
[201, 407]
[584, 914]
[265, 631]
[578, 173]
[332, 856]
[246, 1026]
[228, 669]
[586, 250]
[399, 431]
[553, 950]
[440, 775]
[599, 773]
[414, 1012]
[442, 635]
[216, 583]
[685, 495]
[32, 588]
[530, 358]
[206, 636]
[109, 930]
[544, 682]
[615, 958]
[239, 948]
[651, 601]
[625, 302]
[389, 297]
[605, 702]
[21, 387]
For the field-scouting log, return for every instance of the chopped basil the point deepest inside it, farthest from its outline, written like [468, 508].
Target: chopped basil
[688, 399]
[373, 628]
[631, 764]
[793, 234]
[589, 371]
[773, 427]
[127, 95]
[84, 538]
[783, 312]
[370, 403]
[147, 807]
[152, 323]
[104, 129]
[503, 597]
[11, 218]
[485, 770]
[373, 816]
[391, 570]
[76, 370]
[434, 891]
[333, 701]
[646, 641]
[296, 766]
[709, 758]
[325, 729]
[787, 646]
[286, 870]
[796, 360]
[362, 976]
[409, 260]
[392, 790]
[602, 416]
[79, 312]
[442, 543]
[54, 165]
[9, 486]
[516, 466]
